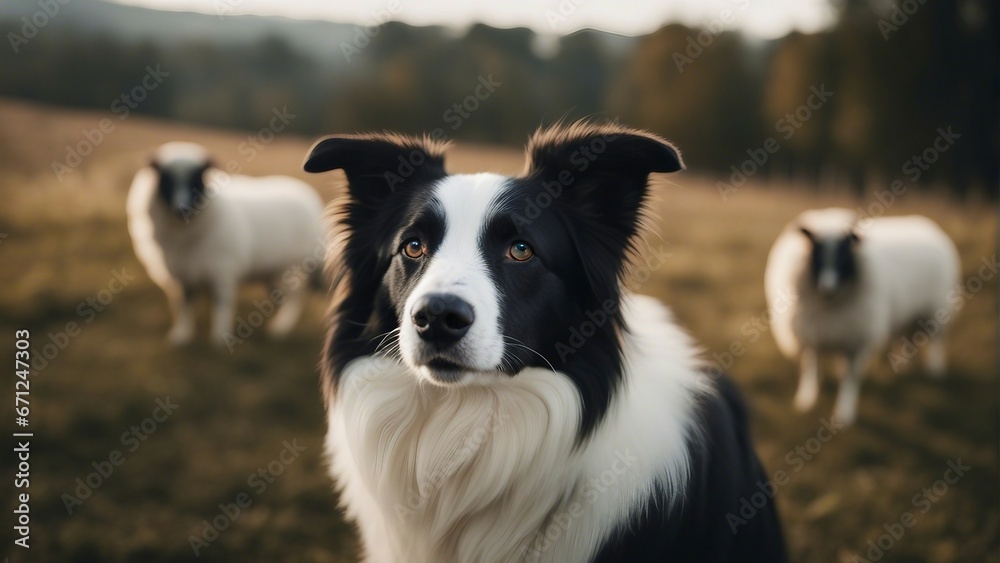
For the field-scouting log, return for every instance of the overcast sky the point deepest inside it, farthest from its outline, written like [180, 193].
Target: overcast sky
[758, 18]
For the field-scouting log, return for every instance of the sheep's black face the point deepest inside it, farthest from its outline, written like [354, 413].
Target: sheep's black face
[832, 263]
[181, 186]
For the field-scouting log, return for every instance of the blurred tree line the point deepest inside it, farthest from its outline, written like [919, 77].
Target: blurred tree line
[896, 73]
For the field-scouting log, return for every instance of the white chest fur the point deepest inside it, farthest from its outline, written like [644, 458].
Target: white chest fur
[491, 473]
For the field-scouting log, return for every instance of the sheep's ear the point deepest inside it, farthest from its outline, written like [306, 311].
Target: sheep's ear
[602, 170]
[809, 234]
[377, 165]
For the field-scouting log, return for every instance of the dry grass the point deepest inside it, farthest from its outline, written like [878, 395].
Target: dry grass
[65, 238]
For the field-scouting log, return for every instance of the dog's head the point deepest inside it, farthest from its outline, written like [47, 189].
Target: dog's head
[480, 276]
[181, 169]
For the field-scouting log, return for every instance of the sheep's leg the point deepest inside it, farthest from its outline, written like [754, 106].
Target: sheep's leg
[808, 390]
[286, 317]
[223, 306]
[850, 386]
[841, 365]
[936, 357]
[182, 310]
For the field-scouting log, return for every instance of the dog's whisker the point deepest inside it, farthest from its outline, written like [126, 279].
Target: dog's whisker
[384, 335]
[519, 344]
[391, 350]
[389, 342]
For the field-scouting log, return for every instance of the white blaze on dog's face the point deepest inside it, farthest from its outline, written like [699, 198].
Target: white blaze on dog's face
[449, 326]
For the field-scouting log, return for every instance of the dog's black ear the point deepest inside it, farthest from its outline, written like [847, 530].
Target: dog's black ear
[602, 170]
[378, 164]
[607, 149]
[598, 177]
[808, 234]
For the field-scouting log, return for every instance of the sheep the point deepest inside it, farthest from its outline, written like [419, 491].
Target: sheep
[835, 284]
[194, 226]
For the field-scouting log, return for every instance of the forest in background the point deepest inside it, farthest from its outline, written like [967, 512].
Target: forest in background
[851, 105]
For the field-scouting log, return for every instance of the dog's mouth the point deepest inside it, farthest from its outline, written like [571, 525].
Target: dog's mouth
[441, 364]
[445, 371]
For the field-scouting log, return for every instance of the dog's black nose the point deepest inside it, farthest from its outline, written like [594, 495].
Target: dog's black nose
[442, 318]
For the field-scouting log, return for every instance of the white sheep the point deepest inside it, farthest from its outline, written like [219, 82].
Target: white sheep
[837, 284]
[195, 227]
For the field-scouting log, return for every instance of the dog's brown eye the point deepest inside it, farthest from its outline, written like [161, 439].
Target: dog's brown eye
[520, 251]
[413, 248]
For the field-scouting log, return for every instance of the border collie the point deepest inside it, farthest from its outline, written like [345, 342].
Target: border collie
[194, 226]
[495, 394]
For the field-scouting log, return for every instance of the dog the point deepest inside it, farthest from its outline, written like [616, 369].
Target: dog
[495, 394]
[194, 226]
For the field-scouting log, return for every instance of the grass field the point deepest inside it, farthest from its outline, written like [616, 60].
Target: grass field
[66, 242]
